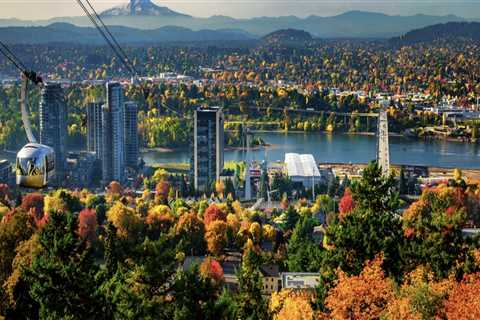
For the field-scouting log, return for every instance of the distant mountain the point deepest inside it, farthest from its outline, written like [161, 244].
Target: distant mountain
[68, 33]
[141, 8]
[450, 30]
[287, 36]
[353, 24]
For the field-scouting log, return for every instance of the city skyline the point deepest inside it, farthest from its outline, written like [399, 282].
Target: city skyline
[28, 10]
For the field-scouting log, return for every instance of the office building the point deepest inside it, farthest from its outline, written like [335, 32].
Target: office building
[94, 128]
[113, 138]
[207, 149]
[131, 134]
[53, 125]
[82, 169]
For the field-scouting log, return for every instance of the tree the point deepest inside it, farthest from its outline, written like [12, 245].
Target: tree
[213, 213]
[256, 232]
[464, 300]
[361, 297]
[375, 192]
[61, 201]
[211, 269]
[291, 304]
[420, 296]
[303, 254]
[14, 228]
[18, 304]
[33, 203]
[346, 204]
[194, 296]
[433, 227]
[62, 275]
[140, 287]
[159, 219]
[216, 237]
[87, 225]
[371, 228]
[250, 301]
[191, 231]
[125, 219]
[162, 189]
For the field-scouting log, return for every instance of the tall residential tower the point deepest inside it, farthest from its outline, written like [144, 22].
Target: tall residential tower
[113, 130]
[131, 134]
[53, 124]
[208, 143]
[94, 128]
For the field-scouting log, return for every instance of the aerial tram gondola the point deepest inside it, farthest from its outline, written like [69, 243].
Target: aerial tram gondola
[35, 165]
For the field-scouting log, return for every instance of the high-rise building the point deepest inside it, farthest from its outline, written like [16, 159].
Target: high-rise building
[131, 134]
[207, 150]
[94, 128]
[53, 124]
[113, 130]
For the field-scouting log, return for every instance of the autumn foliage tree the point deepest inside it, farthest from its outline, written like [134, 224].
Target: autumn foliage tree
[292, 304]
[216, 237]
[464, 300]
[33, 203]
[191, 230]
[346, 204]
[211, 268]
[361, 297]
[127, 222]
[433, 226]
[87, 225]
[213, 213]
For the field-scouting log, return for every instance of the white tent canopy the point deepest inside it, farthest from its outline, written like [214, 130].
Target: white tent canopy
[299, 167]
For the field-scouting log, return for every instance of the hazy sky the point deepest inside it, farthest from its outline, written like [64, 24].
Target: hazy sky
[42, 9]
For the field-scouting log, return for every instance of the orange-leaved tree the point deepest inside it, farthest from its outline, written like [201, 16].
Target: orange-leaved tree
[361, 297]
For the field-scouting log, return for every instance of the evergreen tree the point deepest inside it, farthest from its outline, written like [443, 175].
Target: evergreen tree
[303, 254]
[140, 287]
[62, 275]
[250, 301]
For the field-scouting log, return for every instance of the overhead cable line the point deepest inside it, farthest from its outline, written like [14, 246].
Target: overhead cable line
[11, 57]
[126, 59]
[108, 38]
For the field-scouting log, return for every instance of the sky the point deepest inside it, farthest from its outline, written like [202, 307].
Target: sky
[44, 9]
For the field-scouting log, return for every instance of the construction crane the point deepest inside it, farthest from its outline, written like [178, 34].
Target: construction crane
[35, 165]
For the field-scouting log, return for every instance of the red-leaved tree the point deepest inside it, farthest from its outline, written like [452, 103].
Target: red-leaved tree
[33, 203]
[346, 203]
[87, 225]
[212, 269]
[213, 213]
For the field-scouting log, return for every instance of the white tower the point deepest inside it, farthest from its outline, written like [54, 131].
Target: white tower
[383, 150]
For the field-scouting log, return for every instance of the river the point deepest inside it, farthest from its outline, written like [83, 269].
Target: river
[341, 148]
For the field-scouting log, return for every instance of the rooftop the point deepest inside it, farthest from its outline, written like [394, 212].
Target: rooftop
[301, 165]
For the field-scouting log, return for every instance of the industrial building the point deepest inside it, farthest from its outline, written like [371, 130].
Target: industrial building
[53, 125]
[131, 134]
[207, 147]
[113, 135]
